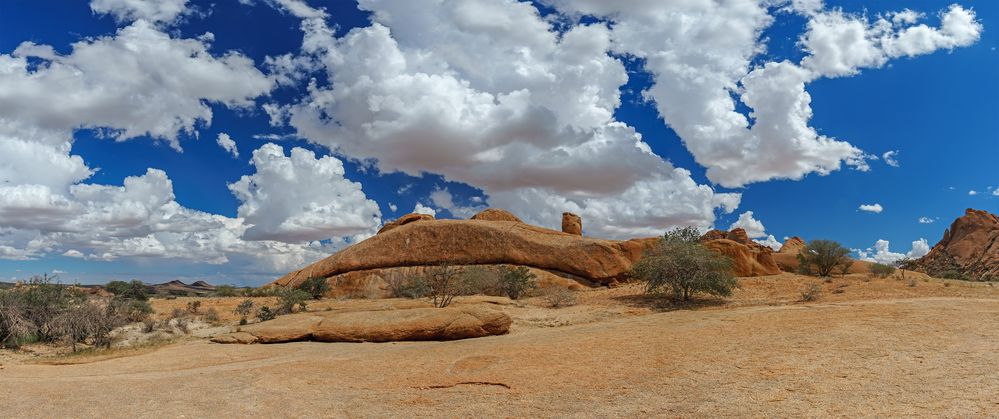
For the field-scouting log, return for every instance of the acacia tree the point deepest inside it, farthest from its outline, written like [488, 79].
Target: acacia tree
[905, 263]
[820, 257]
[679, 266]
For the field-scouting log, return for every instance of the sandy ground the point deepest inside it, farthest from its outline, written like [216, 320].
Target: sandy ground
[878, 348]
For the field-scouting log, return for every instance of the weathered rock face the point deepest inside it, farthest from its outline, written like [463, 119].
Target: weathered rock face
[792, 246]
[415, 324]
[746, 260]
[739, 235]
[495, 214]
[477, 242]
[748, 257]
[572, 224]
[406, 219]
[970, 246]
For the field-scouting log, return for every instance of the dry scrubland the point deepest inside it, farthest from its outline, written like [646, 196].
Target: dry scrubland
[863, 347]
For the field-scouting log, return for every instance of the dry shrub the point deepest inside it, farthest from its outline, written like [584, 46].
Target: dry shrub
[557, 296]
[811, 292]
[211, 315]
[193, 306]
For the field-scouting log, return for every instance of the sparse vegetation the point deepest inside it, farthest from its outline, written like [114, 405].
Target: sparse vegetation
[516, 282]
[557, 296]
[401, 285]
[45, 311]
[243, 310]
[881, 270]
[315, 287]
[811, 292]
[444, 283]
[680, 266]
[193, 306]
[289, 298]
[226, 291]
[481, 280]
[134, 290]
[821, 257]
[265, 313]
[845, 265]
[211, 315]
[949, 274]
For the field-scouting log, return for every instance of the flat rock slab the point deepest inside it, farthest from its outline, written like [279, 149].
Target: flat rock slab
[449, 323]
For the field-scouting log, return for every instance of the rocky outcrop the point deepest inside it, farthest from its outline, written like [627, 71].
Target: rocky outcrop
[748, 257]
[572, 224]
[405, 219]
[746, 260]
[792, 246]
[969, 247]
[478, 242]
[495, 214]
[415, 324]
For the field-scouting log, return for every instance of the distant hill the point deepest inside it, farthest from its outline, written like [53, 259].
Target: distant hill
[177, 287]
[969, 249]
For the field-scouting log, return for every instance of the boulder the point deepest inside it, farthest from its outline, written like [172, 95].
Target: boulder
[495, 214]
[414, 324]
[739, 235]
[478, 242]
[792, 246]
[572, 224]
[405, 219]
[969, 247]
[746, 260]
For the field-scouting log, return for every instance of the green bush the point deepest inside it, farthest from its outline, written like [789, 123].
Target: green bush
[243, 310]
[820, 257]
[134, 290]
[265, 313]
[316, 287]
[226, 291]
[881, 270]
[481, 280]
[516, 282]
[288, 298]
[679, 267]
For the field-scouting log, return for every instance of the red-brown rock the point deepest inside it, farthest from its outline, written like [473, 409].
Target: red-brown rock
[572, 224]
[495, 214]
[746, 260]
[414, 324]
[477, 242]
[792, 246]
[405, 219]
[970, 247]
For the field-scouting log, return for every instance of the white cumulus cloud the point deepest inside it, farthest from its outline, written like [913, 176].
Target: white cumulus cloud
[926, 220]
[875, 208]
[302, 198]
[890, 158]
[881, 253]
[151, 10]
[227, 144]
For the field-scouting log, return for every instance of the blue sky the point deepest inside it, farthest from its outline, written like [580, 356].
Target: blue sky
[937, 109]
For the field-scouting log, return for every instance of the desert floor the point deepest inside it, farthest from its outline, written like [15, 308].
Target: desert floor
[865, 347]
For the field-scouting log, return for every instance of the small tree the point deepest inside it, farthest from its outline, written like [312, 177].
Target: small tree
[821, 257]
[844, 267]
[679, 266]
[316, 287]
[516, 282]
[444, 283]
[243, 310]
[905, 263]
[135, 289]
[881, 270]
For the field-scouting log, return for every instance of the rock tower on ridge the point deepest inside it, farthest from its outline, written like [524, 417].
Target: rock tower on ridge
[572, 224]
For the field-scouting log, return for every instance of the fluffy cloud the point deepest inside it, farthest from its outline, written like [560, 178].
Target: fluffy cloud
[227, 144]
[972, 192]
[150, 10]
[505, 104]
[841, 44]
[926, 220]
[754, 228]
[890, 158]
[442, 198]
[423, 209]
[771, 242]
[701, 51]
[302, 198]
[875, 208]
[138, 82]
[881, 253]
